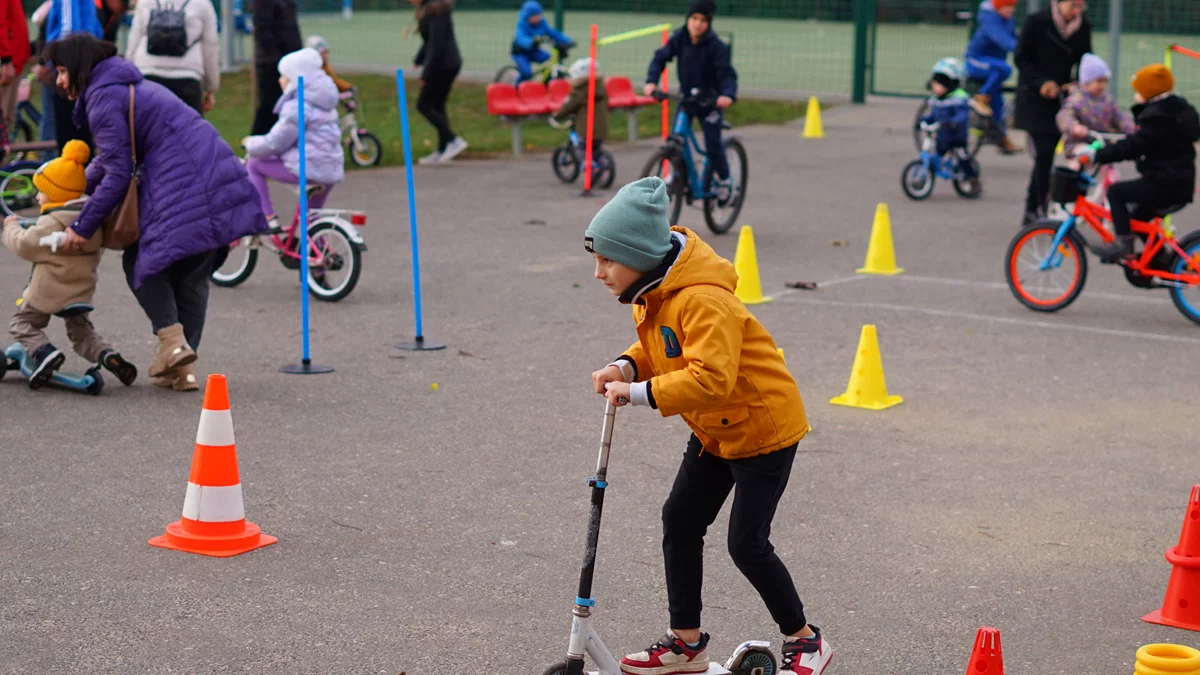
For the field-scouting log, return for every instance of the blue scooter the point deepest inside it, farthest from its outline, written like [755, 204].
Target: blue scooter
[90, 382]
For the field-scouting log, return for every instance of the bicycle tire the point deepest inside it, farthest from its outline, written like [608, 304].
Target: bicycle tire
[243, 271]
[711, 204]
[1075, 251]
[565, 164]
[963, 188]
[608, 171]
[1190, 244]
[17, 191]
[315, 286]
[507, 74]
[675, 179]
[372, 150]
[922, 191]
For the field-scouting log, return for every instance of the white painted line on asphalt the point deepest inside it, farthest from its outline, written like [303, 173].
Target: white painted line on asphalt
[1000, 319]
[998, 285]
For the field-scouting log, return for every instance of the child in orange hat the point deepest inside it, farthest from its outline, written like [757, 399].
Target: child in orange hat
[1163, 147]
[62, 282]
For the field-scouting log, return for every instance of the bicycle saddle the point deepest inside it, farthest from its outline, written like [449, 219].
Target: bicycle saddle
[1165, 211]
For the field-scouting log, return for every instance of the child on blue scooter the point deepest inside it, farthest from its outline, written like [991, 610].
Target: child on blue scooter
[62, 283]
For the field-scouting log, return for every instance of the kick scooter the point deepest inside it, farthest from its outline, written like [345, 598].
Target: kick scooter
[752, 657]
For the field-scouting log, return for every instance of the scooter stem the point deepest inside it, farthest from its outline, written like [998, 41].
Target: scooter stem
[598, 484]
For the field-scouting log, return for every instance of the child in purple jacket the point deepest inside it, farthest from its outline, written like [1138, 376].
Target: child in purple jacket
[1090, 107]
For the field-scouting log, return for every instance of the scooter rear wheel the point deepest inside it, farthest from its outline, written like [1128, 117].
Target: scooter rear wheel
[557, 669]
[755, 662]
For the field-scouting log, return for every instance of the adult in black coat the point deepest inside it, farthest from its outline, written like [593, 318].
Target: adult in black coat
[1052, 43]
[276, 34]
[441, 62]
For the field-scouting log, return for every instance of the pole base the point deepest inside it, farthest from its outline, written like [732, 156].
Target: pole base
[420, 344]
[586, 193]
[306, 368]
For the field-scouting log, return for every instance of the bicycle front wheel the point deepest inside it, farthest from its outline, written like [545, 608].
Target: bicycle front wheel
[367, 151]
[566, 165]
[18, 196]
[1056, 286]
[917, 180]
[668, 165]
[507, 75]
[243, 256]
[721, 210]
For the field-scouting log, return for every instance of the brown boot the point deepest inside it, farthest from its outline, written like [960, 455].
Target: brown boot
[185, 378]
[982, 104]
[1008, 147]
[173, 351]
[166, 380]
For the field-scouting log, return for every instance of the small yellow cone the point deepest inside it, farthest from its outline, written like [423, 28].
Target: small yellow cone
[867, 388]
[881, 257]
[780, 350]
[812, 120]
[1058, 150]
[745, 263]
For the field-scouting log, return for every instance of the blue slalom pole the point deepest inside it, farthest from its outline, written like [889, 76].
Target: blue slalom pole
[306, 366]
[418, 343]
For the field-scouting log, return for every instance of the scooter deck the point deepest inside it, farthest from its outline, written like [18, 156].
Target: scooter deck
[714, 668]
[90, 382]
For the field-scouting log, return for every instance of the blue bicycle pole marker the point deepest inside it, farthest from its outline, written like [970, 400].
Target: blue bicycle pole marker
[306, 367]
[418, 343]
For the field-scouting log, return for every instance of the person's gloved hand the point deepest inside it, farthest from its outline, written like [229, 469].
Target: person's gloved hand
[53, 241]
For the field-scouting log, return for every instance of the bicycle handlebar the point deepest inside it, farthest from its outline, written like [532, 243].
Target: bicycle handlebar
[693, 98]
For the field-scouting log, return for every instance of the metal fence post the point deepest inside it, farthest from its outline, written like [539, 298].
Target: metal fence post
[558, 15]
[1114, 38]
[864, 14]
[228, 35]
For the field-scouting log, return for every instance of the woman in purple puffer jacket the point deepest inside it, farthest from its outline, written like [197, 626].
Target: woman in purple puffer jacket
[194, 196]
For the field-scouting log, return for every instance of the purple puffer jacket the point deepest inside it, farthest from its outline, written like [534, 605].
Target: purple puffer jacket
[194, 196]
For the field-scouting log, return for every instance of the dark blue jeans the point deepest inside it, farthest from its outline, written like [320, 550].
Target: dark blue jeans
[710, 124]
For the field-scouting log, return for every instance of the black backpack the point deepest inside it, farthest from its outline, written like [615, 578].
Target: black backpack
[166, 32]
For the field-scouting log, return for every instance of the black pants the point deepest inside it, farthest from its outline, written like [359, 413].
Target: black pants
[431, 103]
[269, 91]
[64, 126]
[178, 294]
[1044, 145]
[963, 157]
[1131, 199]
[701, 486]
[188, 90]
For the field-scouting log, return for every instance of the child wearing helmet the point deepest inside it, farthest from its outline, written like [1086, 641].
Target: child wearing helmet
[319, 44]
[950, 108]
[576, 103]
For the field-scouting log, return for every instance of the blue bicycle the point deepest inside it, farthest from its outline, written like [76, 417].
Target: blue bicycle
[568, 159]
[920, 174]
[675, 163]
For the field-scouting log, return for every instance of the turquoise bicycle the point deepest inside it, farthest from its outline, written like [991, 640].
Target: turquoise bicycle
[675, 163]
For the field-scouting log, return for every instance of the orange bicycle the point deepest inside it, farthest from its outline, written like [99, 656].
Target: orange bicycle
[1046, 263]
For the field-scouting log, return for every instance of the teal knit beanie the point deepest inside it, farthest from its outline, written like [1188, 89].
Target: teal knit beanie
[632, 228]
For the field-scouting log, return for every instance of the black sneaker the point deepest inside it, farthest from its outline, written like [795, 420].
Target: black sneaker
[114, 363]
[1121, 246]
[44, 361]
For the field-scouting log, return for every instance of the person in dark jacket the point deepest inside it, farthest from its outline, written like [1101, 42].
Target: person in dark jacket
[195, 195]
[69, 17]
[1165, 152]
[703, 63]
[1052, 43]
[440, 62]
[276, 33]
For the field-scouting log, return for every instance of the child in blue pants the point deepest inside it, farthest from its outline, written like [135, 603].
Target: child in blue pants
[987, 61]
[531, 25]
[949, 107]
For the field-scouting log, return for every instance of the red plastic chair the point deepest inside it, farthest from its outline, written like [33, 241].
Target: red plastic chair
[533, 96]
[620, 92]
[558, 92]
[502, 100]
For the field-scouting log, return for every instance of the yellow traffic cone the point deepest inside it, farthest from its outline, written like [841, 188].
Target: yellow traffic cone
[867, 388]
[1058, 150]
[812, 120]
[780, 350]
[881, 257]
[745, 263]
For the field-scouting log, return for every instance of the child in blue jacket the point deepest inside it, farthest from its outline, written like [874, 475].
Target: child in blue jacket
[702, 62]
[987, 61]
[950, 109]
[531, 25]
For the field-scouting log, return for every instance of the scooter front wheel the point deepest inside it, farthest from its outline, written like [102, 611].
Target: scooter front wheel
[557, 669]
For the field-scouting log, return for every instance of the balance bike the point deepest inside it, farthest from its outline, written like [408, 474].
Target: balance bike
[752, 657]
[90, 382]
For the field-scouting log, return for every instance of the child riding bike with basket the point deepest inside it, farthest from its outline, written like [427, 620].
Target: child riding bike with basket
[703, 64]
[1162, 146]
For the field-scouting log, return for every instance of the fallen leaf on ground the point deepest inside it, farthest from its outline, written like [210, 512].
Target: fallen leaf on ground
[463, 352]
[839, 242]
[802, 285]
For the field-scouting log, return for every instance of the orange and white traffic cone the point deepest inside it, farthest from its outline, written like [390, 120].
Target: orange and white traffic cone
[214, 518]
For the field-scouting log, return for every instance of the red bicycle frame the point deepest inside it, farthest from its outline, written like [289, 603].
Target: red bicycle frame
[1156, 239]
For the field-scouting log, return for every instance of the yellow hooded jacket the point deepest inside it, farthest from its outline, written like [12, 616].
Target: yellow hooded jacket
[709, 360]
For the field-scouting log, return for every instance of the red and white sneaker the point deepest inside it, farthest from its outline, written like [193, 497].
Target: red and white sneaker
[806, 656]
[668, 656]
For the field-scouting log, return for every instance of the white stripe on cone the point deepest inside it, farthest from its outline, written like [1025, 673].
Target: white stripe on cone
[213, 504]
[216, 428]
